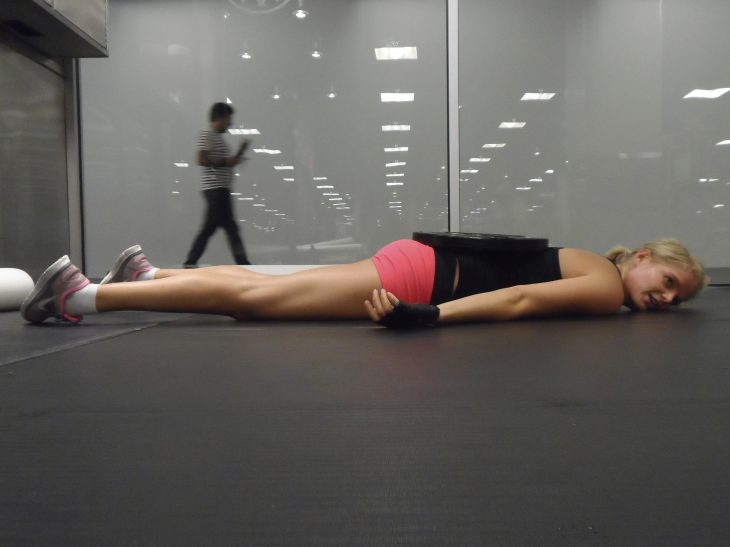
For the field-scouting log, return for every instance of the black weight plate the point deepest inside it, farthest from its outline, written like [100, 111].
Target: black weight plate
[464, 241]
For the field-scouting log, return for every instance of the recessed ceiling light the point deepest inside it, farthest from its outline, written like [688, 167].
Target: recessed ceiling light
[706, 93]
[395, 53]
[512, 125]
[537, 96]
[397, 97]
[396, 127]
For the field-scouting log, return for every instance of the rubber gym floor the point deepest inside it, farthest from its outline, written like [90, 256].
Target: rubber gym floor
[152, 429]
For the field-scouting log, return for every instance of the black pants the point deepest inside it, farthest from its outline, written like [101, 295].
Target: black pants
[219, 213]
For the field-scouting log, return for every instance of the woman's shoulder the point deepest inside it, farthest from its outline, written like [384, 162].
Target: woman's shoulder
[578, 262]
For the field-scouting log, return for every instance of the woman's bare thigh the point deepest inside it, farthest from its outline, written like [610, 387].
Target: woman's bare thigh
[329, 292]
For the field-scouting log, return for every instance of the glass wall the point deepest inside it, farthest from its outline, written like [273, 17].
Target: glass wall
[594, 122]
[580, 120]
[34, 205]
[347, 106]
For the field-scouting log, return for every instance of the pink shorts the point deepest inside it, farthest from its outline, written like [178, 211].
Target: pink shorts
[407, 269]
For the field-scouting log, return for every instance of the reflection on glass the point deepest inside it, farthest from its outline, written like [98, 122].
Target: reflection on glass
[537, 96]
[706, 93]
[396, 127]
[512, 125]
[397, 97]
[396, 53]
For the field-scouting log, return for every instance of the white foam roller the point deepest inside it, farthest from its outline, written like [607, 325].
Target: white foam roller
[15, 285]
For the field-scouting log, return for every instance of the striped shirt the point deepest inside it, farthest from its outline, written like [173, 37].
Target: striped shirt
[213, 144]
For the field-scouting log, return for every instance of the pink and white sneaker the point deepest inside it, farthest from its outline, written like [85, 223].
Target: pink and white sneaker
[48, 298]
[128, 266]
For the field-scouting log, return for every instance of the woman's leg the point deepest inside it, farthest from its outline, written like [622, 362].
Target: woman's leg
[330, 292]
[236, 271]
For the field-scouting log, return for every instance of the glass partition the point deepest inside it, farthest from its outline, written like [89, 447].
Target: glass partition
[345, 105]
[596, 122]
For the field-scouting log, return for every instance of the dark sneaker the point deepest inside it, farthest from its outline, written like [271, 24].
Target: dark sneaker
[48, 298]
[129, 265]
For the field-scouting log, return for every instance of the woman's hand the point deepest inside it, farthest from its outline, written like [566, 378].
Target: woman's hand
[381, 304]
[385, 309]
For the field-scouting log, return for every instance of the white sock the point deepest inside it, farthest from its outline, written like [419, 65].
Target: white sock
[83, 301]
[146, 276]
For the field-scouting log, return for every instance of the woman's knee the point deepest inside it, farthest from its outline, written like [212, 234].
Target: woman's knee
[250, 299]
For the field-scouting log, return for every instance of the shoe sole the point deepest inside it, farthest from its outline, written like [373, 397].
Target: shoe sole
[44, 280]
[119, 264]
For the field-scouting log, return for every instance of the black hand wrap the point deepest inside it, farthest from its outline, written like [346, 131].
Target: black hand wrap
[409, 316]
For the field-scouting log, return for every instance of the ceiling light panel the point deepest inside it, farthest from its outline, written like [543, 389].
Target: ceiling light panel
[396, 53]
[537, 96]
[706, 93]
[397, 97]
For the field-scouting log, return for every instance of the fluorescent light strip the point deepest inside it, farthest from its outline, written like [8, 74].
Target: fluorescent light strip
[512, 125]
[396, 53]
[395, 164]
[480, 160]
[395, 174]
[325, 186]
[284, 167]
[319, 178]
[288, 180]
[537, 96]
[706, 93]
[397, 149]
[242, 131]
[723, 143]
[395, 127]
[494, 145]
[266, 151]
[394, 184]
[523, 188]
[397, 97]
[181, 164]
[469, 171]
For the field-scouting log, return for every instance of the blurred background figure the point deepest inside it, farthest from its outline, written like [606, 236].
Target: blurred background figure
[215, 158]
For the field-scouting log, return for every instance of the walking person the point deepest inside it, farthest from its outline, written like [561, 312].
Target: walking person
[215, 158]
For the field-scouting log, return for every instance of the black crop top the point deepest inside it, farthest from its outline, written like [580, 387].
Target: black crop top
[489, 271]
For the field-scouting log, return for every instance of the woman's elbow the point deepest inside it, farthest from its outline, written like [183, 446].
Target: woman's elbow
[517, 303]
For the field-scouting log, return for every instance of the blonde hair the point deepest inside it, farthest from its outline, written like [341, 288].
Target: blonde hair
[667, 251]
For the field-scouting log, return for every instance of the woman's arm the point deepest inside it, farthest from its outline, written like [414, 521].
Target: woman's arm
[592, 294]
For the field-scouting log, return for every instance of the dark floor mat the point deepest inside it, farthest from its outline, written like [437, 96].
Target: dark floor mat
[20, 340]
[204, 431]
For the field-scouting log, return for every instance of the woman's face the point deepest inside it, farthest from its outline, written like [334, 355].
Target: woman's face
[653, 286]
